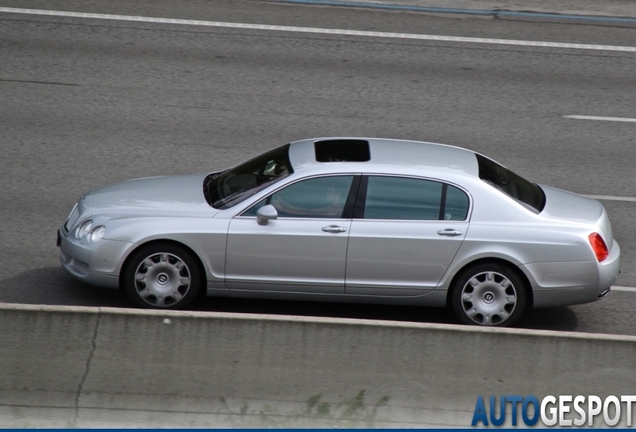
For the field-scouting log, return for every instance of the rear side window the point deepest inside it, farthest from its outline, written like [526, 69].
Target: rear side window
[513, 185]
[456, 205]
[403, 198]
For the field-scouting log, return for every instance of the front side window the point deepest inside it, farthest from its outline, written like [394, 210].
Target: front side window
[226, 189]
[321, 197]
[401, 198]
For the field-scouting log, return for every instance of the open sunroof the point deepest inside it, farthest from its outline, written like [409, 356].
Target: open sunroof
[342, 150]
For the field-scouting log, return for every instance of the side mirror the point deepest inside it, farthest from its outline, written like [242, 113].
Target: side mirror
[265, 214]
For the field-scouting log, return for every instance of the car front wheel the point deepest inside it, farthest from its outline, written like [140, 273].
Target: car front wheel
[162, 276]
[488, 294]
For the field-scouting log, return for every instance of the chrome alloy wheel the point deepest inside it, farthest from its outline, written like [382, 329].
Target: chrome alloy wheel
[489, 298]
[162, 279]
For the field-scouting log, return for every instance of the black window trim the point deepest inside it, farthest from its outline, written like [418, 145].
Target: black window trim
[442, 204]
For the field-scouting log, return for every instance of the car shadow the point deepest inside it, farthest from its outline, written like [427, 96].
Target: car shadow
[557, 318]
[53, 286]
[327, 309]
[562, 318]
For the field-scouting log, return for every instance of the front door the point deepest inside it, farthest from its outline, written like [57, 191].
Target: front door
[304, 250]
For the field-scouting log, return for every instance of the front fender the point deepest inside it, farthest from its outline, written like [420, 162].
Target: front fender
[206, 237]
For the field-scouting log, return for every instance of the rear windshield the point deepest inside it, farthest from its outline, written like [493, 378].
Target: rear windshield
[226, 189]
[513, 185]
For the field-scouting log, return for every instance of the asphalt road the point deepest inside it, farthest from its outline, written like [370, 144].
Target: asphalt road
[86, 102]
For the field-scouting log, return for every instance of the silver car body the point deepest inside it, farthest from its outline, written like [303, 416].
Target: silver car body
[352, 259]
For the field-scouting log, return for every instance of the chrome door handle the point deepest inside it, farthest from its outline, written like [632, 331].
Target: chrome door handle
[333, 229]
[449, 232]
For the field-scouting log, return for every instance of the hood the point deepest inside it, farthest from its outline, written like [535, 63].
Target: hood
[167, 195]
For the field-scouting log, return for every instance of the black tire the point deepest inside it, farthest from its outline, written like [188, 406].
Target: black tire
[162, 276]
[489, 294]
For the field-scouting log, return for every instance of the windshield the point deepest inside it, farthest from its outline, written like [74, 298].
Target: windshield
[511, 184]
[226, 189]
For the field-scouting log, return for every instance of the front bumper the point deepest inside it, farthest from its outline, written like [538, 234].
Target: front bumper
[97, 263]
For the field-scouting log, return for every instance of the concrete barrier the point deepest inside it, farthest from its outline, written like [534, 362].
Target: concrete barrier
[106, 367]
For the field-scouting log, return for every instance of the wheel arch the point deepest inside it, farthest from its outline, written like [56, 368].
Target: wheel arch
[188, 249]
[489, 260]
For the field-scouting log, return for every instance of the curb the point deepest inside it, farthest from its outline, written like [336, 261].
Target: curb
[166, 316]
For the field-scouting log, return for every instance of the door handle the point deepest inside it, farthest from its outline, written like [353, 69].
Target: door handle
[333, 229]
[449, 232]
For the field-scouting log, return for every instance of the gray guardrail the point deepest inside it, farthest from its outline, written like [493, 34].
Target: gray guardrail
[107, 367]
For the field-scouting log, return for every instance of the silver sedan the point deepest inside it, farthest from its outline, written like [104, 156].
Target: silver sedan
[352, 220]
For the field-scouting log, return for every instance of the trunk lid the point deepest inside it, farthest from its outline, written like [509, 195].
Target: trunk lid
[569, 206]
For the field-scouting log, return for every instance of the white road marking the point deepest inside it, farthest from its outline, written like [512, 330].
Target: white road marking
[611, 198]
[350, 33]
[612, 119]
[624, 289]
[436, 38]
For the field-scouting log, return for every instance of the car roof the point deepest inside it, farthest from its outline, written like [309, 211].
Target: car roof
[383, 155]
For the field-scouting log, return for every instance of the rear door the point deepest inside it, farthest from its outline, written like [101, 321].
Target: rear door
[404, 235]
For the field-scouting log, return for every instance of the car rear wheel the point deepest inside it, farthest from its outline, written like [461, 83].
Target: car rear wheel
[162, 276]
[488, 294]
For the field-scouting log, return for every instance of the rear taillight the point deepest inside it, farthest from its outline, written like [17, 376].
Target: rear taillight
[598, 246]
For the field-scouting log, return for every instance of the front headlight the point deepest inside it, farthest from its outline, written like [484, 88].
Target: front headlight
[97, 233]
[83, 229]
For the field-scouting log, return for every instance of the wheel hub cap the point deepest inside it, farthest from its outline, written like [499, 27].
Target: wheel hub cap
[489, 298]
[162, 279]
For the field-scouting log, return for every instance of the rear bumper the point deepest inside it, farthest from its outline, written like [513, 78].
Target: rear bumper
[570, 283]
